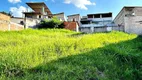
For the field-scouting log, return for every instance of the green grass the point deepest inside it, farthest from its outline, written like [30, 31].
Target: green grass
[66, 55]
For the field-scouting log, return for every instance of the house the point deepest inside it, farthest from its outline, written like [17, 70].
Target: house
[40, 12]
[129, 20]
[75, 17]
[61, 16]
[71, 25]
[100, 22]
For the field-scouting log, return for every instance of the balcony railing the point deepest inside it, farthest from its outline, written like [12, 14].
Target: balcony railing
[92, 25]
[100, 19]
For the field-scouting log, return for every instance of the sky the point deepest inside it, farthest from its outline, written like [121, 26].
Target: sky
[69, 7]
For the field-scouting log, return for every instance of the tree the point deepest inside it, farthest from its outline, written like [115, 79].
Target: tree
[53, 23]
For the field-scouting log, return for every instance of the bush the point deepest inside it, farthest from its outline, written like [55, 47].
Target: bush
[53, 23]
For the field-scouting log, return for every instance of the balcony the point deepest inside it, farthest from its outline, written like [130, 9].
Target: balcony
[92, 25]
[101, 19]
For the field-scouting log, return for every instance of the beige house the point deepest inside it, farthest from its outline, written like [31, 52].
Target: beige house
[40, 12]
[60, 16]
[75, 17]
[129, 20]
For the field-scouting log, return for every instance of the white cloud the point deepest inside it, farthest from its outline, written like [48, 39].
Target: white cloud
[17, 12]
[80, 3]
[14, 1]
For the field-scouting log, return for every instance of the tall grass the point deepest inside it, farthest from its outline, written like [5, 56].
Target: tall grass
[55, 54]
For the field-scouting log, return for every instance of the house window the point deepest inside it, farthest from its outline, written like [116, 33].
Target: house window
[39, 16]
[29, 16]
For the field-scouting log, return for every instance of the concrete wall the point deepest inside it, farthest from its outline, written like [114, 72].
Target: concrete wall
[60, 16]
[4, 17]
[119, 20]
[31, 23]
[133, 25]
[118, 28]
[95, 29]
[17, 20]
[15, 26]
[133, 22]
[76, 17]
[77, 27]
[85, 29]
[131, 19]
[6, 24]
[100, 29]
[138, 11]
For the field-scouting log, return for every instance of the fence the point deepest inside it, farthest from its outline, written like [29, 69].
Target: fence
[8, 26]
[95, 29]
[118, 28]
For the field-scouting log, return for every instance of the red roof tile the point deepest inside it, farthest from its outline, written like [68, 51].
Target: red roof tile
[70, 25]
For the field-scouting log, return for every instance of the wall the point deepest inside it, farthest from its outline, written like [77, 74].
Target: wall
[100, 29]
[6, 24]
[85, 29]
[138, 11]
[71, 26]
[17, 20]
[60, 16]
[119, 20]
[131, 18]
[4, 17]
[95, 29]
[15, 26]
[76, 17]
[32, 23]
[118, 28]
[133, 25]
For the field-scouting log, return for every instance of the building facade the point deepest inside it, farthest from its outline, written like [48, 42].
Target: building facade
[74, 17]
[40, 12]
[100, 22]
[129, 19]
[60, 16]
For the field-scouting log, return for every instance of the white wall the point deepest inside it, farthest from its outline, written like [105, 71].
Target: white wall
[31, 23]
[133, 25]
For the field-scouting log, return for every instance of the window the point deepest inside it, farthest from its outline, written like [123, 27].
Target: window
[29, 16]
[90, 16]
[39, 16]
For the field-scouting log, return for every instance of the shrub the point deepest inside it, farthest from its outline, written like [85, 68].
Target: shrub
[53, 23]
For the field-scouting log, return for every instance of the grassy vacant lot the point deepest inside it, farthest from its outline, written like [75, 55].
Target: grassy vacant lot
[65, 55]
